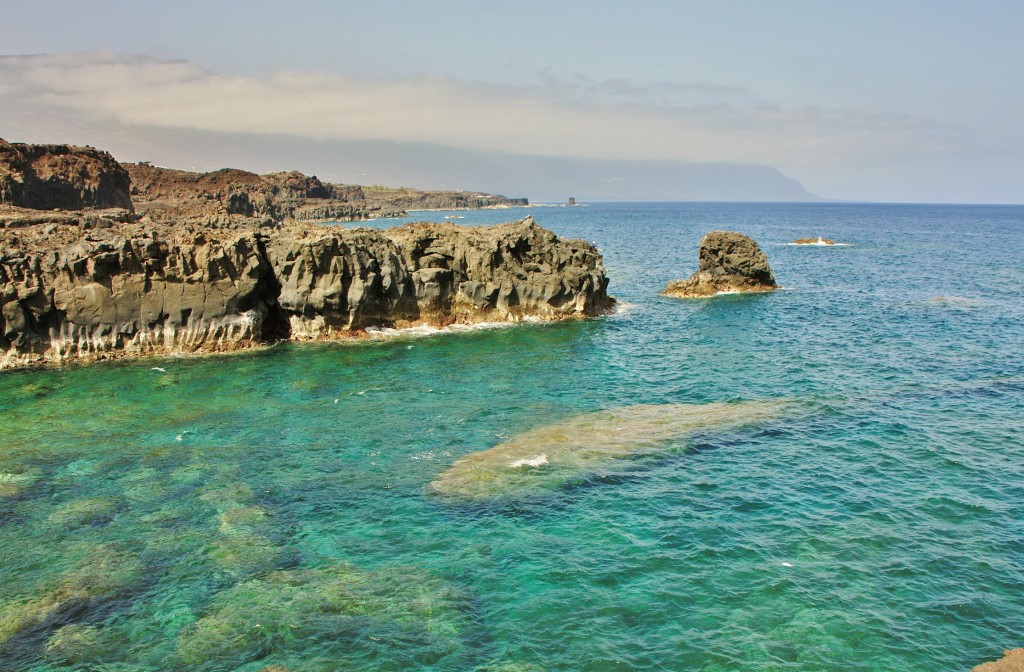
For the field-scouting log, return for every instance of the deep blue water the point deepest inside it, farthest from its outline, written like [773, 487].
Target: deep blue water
[274, 508]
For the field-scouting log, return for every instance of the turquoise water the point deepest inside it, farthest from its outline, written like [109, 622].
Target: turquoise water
[274, 507]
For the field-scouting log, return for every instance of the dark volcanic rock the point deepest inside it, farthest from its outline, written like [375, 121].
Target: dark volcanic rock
[47, 177]
[140, 288]
[728, 262]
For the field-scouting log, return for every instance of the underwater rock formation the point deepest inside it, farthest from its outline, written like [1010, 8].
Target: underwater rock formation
[579, 447]
[135, 289]
[331, 612]
[107, 572]
[729, 262]
[1012, 661]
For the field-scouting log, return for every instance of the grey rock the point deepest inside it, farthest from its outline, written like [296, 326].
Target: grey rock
[728, 262]
[126, 294]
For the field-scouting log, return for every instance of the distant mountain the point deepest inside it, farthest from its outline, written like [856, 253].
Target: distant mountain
[439, 167]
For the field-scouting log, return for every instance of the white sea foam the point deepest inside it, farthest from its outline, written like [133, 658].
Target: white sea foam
[820, 243]
[382, 333]
[529, 461]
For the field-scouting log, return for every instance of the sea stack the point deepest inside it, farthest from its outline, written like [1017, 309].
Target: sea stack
[729, 262]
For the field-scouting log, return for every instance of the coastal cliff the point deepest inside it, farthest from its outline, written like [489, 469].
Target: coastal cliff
[68, 294]
[99, 260]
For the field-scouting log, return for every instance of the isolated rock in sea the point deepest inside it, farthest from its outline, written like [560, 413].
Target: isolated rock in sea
[1012, 661]
[45, 177]
[729, 262]
[579, 447]
[813, 241]
[138, 288]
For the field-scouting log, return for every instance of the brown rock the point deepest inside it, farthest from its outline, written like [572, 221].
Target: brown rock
[1012, 661]
[813, 241]
[47, 177]
[728, 262]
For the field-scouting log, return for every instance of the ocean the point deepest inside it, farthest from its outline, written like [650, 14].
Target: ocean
[275, 508]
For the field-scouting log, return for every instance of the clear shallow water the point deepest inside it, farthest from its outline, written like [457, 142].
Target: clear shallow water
[273, 507]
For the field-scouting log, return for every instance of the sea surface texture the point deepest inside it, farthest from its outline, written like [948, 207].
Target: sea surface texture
[852, 498]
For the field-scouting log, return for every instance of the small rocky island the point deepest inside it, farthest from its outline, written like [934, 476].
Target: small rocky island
[99, 260]
[729, 263]
[813, 241]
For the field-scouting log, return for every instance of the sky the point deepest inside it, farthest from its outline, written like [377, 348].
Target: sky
[905, 101]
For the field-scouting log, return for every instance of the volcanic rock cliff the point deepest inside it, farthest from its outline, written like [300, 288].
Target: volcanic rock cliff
[129, 290]
[61, 176]
[223, 260]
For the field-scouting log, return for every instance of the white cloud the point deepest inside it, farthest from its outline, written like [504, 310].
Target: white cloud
[692, 121]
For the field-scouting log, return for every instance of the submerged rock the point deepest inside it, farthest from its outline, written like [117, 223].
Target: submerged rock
[1012, 661]
[813, 241]
[83, 512]
[729, 263]
[397, 618]
[578, 447]
[12, 482]
[107, 572]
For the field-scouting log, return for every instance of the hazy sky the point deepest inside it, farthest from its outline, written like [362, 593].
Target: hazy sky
[904, 101]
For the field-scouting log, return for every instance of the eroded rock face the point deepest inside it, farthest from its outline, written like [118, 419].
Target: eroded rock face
[729, 262]
[135, 289]
[47, 177]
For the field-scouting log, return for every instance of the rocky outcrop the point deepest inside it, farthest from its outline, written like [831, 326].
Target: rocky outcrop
[414, 199]
[47, 177]
[1012, 661]
[167, 195]
[137, 288]
[813, 241]
[729, 262]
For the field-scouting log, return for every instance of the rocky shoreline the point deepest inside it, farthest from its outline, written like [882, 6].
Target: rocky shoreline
[221, 261]
[128, 291]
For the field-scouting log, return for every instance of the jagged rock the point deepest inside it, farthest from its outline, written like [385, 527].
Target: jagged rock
[1012, 661]
[140, 288]
[45, 177]
[729, 262]
[231, 195]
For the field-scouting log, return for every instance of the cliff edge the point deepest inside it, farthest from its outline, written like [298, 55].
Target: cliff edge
[133, 288]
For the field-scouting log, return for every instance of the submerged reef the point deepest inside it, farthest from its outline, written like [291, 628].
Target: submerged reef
[729, 263]
[578, 447]
[1012, 661]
